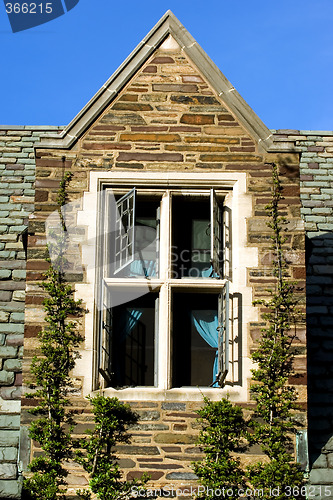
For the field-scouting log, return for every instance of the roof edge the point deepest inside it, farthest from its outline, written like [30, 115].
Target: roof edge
[168, 24]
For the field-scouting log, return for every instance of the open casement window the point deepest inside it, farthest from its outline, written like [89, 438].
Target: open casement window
[226, 240]
[124, 231]
[104, 368]
[128, 337]
[215, 234]
[223, 336]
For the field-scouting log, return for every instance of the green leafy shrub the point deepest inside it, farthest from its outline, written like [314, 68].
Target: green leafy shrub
[98, 458]
[222, 435]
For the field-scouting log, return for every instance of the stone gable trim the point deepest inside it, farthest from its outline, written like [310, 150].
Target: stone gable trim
[167, 25]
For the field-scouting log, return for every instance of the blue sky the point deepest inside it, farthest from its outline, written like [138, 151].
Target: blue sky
[278, 55]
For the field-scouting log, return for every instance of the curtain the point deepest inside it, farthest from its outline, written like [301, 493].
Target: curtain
[206, 324]
[209, 273]
[128, 322]
[143, 268]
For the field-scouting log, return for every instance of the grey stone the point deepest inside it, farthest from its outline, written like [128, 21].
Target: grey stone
[174, 406]
[8, 454]
[4, 316]
[10, 489]
[9, 421]
[9, 438]
[321, 476]
[14, 365]
[6, 378]
[185, 476]
[8, 352]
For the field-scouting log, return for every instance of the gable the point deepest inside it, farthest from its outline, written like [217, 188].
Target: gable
[167, 31]
[169, 115]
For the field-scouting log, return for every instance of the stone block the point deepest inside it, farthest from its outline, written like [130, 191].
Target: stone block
[321, 476]
[6, 378]
[8, 454]
[19, 295]
[14, 365]
[9, 421]
[8, 352]
[9, 438]
[10, 489]
[4, 316]
[182, 476]
[174, 406]
[17, 317]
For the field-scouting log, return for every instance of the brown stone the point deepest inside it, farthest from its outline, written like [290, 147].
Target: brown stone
[199, 148]
[130, 165]
[298, 379]
[197, 119]
[204, 100]
[108, 128]
[154, 475]
[230, 158]
[168, 438]
[105, 145]
[129, 97]
[41, 195]
[243, 149]
[214, 140]
[47, 183]
[179, 427]
[299, 272]
[149, 128]
[161, 466]
[150, 137]
[150, 69]
[163, 60]
[39, 265]
[161, 157]
[137, 450]
[226, 117]
[125, 118]
[174, 87]
[129, 106]
[171, 449]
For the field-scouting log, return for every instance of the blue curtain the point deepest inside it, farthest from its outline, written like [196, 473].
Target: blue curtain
[143, 268]
[128, 322]
[206, 324]
[209, 273]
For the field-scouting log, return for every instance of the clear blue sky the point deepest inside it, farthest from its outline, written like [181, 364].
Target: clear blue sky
[278, 55]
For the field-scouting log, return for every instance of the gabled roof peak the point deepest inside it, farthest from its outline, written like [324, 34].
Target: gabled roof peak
[167, 25]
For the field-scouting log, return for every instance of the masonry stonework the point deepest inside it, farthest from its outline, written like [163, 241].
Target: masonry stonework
[17, 173]
[167, 117]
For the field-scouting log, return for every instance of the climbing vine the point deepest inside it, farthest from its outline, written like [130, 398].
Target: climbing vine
[98, 451]
[59, 341]
[272, 424]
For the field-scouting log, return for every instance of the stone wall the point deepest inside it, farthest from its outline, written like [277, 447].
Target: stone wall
[166, 119]
[17, 173]
[316, 150]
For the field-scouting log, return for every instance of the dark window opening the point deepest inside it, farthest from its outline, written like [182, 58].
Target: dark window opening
[194, 339]
[191, 238]
[133, 343]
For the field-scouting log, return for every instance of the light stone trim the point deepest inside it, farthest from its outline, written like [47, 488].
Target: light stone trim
[243, 256]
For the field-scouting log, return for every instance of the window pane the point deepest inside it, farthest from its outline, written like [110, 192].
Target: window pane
[191, 237]
[144, 260]
[133, 340]
[194, 339]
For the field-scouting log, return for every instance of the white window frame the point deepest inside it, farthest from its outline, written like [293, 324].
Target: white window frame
[243, 256]
[166, 284]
